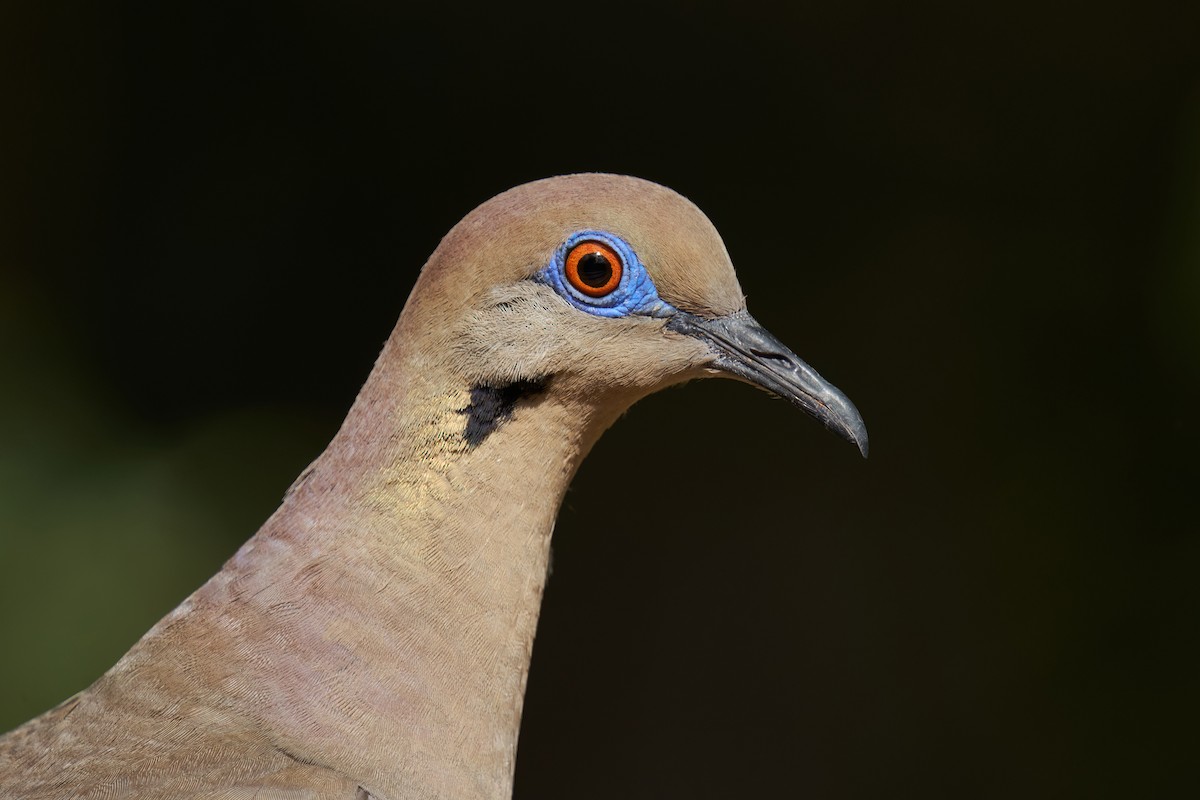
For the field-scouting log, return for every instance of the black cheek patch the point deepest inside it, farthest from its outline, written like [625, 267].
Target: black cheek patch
[492, 406]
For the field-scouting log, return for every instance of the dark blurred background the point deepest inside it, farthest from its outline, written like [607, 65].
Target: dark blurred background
[982, 221]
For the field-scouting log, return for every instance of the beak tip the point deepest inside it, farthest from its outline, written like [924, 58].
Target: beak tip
[856, 434]
[840, 415]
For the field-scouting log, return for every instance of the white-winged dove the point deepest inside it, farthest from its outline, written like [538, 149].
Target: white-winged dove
[373, 638]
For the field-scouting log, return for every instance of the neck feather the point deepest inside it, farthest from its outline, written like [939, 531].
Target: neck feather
[381, 622]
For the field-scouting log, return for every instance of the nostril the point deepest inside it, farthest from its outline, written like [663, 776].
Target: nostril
[769, 355]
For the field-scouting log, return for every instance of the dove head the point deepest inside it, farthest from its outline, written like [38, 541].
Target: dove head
[599, 289]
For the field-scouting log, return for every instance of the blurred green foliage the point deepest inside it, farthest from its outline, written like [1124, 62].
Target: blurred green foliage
[104, 524]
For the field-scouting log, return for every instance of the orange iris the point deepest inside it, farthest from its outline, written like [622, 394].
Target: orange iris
[593, 268]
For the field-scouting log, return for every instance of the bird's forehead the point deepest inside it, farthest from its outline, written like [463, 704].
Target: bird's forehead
[515, 234]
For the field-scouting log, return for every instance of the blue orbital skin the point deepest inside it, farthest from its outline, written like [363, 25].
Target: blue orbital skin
[635, 294]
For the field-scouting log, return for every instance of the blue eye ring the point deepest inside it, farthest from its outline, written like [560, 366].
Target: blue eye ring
[633, 291]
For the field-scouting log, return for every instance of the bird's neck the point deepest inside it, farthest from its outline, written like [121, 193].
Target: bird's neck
[381, 622]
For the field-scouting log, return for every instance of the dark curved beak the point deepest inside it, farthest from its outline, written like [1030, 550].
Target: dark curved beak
[748, 351]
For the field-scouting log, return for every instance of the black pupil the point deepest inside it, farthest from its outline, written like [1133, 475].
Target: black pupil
[594, 270]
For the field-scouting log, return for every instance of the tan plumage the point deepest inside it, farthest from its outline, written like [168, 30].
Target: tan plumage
[373, 638]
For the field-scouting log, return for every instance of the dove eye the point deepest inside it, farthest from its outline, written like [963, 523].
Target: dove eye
[599, 273]
[593, 268]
